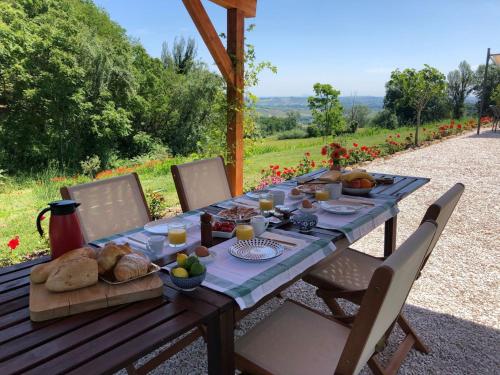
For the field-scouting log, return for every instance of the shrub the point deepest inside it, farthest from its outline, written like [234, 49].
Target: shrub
[313, 131]
[292, 134]
[385, 119]
[91, 166]
[157, 204]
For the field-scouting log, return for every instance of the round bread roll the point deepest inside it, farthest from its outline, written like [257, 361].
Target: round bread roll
[201, 251]
[131, 266]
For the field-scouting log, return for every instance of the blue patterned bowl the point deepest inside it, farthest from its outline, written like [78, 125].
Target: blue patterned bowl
[305, 221]
[189, 283]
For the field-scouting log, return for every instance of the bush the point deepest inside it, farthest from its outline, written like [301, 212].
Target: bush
[385, 119]
[292, 134]
[91, 166]
[313, 131]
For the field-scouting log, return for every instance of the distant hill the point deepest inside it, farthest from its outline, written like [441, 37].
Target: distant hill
[280, 105]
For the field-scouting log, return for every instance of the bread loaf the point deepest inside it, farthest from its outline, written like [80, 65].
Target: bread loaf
[110, 255]
[131, 266]
[73, 274]
[41, 272]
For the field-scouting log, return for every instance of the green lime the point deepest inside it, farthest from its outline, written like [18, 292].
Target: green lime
[196, 269]
[190, 261]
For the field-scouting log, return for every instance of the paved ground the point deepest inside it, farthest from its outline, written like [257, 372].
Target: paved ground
[455, 305]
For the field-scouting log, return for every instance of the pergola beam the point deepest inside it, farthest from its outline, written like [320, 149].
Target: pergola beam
[248, 7]
[231, 66]
[211, 38]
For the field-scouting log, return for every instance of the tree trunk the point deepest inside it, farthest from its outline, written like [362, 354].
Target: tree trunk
[419, 112]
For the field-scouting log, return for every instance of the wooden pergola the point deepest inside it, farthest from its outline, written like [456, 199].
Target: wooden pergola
[230, 62]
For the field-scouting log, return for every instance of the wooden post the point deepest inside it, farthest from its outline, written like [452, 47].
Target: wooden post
[483, 98]
[230, 63]
[235, 115]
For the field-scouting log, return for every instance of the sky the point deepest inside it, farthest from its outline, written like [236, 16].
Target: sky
[353, 45]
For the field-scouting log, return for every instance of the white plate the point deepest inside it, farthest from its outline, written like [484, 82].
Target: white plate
[255, 194]
[256, 250]
[161, 226]
[339, 209]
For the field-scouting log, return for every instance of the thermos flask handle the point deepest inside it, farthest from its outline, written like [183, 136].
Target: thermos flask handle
[39, 219]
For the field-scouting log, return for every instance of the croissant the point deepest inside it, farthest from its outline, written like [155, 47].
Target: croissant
[131, 266]
[110, 255]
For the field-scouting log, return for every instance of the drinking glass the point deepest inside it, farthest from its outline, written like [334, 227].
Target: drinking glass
[266, 203]
[244, 232]
[322, 195]
[177, 234]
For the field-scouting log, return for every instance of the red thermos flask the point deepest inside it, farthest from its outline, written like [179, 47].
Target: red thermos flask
[65, 233]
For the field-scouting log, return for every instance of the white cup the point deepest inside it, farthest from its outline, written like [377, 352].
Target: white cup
[155, 245]
[278, 196]
[335, 190]
[259, 224]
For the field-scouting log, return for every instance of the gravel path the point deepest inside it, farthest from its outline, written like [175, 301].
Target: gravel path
[455, 305]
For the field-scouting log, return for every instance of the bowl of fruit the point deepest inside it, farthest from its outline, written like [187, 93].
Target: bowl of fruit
[189, 272]
[223, 229]
[357, 183]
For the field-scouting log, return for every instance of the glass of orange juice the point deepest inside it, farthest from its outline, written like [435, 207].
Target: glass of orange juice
[322, 195]
[177, 234]
[266, 202]
[244, 232]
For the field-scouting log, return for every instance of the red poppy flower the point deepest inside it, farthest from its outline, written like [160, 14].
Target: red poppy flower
[399, 136]
[308, 154]
[324, 151]
[346, 156]
[459, 126]
[355, 144]
[42, 217]
[313, 164]
[364, 148]
[13, 243]
[276, 167]
[278, 173]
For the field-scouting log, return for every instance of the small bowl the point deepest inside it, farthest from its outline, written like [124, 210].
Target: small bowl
[208, 259]
[190, 283]
[311, 210]
[305, 222]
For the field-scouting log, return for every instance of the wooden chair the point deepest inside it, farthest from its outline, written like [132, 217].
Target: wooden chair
[296, 340]
[348, 275]
[201, 183]
[109, 206]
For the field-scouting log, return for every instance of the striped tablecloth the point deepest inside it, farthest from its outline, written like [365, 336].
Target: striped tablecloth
[138, 237]
[249, 282]
[363, 222]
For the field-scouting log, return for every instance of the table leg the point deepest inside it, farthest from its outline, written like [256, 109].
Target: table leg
[220, 344]
[390, 236]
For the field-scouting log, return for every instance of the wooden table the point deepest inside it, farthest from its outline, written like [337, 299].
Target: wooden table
[100, 341]
[107, 340]
[229, 312]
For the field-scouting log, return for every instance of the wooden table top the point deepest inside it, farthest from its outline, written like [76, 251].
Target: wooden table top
[100, 341]
[104, 341]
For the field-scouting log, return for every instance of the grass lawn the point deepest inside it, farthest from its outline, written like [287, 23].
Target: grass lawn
[21, 198]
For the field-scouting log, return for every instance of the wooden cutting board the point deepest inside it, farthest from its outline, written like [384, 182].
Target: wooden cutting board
[45, 305]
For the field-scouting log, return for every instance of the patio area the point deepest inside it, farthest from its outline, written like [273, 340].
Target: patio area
[454, 305]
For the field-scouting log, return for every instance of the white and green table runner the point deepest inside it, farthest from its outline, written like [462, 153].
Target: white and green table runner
[249, 282]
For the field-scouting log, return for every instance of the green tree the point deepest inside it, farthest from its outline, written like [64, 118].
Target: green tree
[182, 58]
[460, 85]
[357, 117]
[493, 80]
[418, 88]
[385, 119]
[326, 109]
